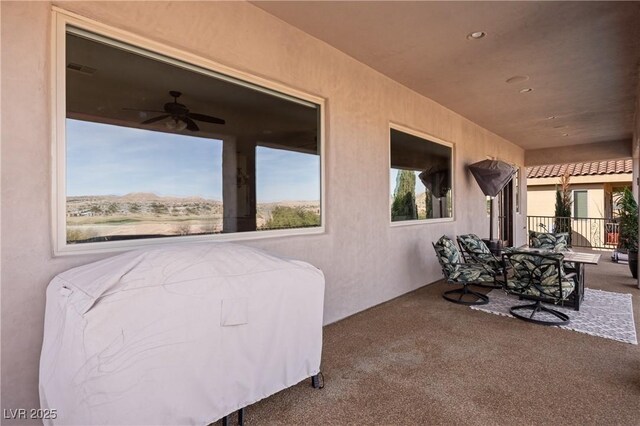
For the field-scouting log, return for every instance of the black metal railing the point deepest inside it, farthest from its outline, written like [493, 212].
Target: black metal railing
[592, 232]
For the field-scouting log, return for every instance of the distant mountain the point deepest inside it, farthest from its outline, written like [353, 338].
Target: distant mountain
[141, 197]
[150, 196]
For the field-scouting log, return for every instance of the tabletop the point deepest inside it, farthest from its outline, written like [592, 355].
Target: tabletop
[579, 257]
[569, 256]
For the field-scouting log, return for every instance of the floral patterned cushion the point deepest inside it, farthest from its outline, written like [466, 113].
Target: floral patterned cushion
[455, 271]
[537, 275]
[472, 273]
[479, 251]
[549, 241]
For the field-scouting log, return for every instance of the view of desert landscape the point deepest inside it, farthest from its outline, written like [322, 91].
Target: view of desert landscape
[102, 217]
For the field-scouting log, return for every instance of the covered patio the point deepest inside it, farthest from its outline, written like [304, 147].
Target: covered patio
[363, 100]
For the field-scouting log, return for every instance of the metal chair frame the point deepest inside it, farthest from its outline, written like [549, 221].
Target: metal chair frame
[532, 279]
[471, 256]
[482, 299]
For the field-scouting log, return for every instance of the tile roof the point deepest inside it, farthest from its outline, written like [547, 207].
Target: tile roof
[581, 169]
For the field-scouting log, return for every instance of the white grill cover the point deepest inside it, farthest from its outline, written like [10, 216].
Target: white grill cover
[183, 334]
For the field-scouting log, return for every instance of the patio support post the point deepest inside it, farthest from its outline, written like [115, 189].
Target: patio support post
[239, 185]
[635, 151]
[490, 218]
[229, 192]
[636, 174]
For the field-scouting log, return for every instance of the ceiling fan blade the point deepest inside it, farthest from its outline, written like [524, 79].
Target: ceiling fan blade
[206, 118]
[154, 119]
[142, 110]
[191, 125]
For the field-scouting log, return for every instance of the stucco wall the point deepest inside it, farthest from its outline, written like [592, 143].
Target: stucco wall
[365, 260]
[541, 200]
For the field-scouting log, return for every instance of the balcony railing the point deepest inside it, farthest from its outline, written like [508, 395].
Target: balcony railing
[591, 232]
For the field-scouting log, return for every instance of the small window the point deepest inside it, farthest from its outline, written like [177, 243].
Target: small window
[157, 148]
[580, 208]
[420, 178]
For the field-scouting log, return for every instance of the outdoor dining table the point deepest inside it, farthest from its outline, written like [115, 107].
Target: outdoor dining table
[579, 259]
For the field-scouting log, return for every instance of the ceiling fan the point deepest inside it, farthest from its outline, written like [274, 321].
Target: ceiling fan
[180, 116]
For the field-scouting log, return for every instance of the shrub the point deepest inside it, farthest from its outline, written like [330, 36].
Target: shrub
[563, 207]
[291, 217]
[78, 235]
[628, 221]
[404, 199]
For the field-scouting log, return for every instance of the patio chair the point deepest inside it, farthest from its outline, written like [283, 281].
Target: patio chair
[474, 250]
[549, 241]
[539, 277]
[465, 274]
[557, 242]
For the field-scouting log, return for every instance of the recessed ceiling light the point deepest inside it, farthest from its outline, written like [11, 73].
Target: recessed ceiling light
[551, 117]
[476, 35]
[526, 90]
[517, 79]
[565, 134]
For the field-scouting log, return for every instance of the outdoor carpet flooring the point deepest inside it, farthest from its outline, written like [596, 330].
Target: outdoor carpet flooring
[602, 313]
[420, 360]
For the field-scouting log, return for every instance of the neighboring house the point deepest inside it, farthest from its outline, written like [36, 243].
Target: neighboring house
[593, 185]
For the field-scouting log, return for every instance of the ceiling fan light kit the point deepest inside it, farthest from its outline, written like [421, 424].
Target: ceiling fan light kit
[176, 125]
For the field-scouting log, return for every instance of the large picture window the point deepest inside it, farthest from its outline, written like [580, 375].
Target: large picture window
[157, 148]
[420, 178]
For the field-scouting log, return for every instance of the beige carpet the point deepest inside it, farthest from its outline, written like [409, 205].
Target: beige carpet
[421, 360]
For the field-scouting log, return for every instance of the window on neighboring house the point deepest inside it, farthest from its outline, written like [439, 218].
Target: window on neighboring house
[421, 177]
[156, 148]
[580, 207]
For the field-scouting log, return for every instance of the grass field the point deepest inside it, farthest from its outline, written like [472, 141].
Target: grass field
[83, 228]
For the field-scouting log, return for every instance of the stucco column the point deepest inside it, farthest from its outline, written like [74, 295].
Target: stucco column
[635, 152]
[229, 187]
[239, 185]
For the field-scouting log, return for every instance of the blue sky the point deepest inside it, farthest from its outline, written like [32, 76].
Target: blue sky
[286, 175]
[112, 160]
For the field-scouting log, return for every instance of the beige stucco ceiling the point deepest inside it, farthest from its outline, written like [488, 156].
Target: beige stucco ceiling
[581, 59]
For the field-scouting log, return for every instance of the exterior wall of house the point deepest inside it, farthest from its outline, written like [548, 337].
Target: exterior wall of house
[541, 193]
[365, 260]
[541, 200]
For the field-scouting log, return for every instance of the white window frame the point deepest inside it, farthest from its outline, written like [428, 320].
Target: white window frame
[517, 199]
[429, 138]
[61, 19]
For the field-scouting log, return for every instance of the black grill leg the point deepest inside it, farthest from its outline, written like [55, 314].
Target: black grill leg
[241, 416]
[225, 421]
[317, 381]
